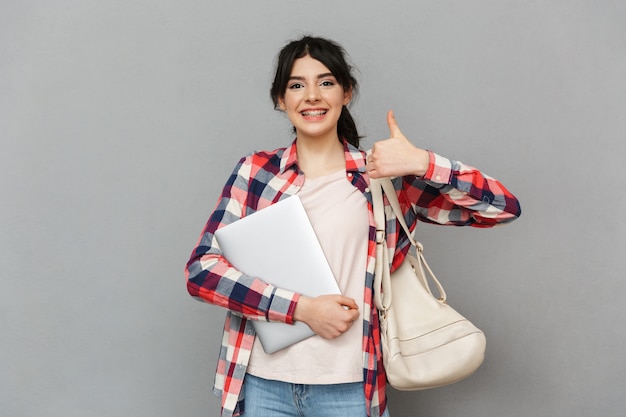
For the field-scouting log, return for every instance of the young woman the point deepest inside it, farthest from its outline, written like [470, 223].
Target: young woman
[339, 371]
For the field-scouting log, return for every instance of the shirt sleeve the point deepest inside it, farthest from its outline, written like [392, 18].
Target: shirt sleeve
[211, 278]
[452, 193]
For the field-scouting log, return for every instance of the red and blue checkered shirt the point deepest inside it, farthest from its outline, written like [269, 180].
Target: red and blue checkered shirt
[450, 193]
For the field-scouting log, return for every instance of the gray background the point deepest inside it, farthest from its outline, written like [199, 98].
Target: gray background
[121, 120]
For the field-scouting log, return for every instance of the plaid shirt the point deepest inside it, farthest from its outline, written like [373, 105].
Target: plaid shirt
[450, 193]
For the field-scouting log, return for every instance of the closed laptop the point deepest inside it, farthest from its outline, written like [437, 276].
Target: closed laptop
[278, 245]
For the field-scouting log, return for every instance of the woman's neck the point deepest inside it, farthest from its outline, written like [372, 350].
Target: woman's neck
[317, 158]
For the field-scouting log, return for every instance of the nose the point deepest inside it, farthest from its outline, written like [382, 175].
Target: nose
[313, 93]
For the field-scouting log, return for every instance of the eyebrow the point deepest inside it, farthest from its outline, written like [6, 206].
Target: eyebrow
[324, 75]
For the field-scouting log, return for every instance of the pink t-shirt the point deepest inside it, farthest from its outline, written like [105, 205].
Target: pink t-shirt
[338, 212]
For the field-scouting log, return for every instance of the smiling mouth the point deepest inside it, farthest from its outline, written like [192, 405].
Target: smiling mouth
[314, 113]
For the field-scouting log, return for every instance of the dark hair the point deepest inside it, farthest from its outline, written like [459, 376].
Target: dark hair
[333, 57]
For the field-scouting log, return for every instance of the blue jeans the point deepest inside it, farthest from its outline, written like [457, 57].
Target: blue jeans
[267, 398]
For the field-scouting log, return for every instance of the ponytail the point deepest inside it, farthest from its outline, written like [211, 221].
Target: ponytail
[346, 128]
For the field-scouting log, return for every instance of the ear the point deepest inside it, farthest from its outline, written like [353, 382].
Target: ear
[281, 104]
[347, 97]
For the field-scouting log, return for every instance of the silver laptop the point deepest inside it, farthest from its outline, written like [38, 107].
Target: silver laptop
[278, 245]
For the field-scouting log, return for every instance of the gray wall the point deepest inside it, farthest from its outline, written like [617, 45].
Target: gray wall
[120, 121]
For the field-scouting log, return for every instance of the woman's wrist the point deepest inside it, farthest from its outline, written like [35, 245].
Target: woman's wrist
[301, 311]
[421, 162]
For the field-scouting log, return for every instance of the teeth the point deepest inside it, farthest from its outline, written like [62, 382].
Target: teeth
[314, 113]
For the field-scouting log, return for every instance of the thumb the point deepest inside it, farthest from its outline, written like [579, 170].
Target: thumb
[348, 302]
[394, 129]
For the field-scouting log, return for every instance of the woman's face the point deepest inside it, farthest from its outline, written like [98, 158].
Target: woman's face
[313, 100]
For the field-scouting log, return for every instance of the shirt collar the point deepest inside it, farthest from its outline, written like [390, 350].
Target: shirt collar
[355, 158]
[289, 159]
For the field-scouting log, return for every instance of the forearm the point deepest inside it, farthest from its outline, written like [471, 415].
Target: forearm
[453, 193]
[210, 278]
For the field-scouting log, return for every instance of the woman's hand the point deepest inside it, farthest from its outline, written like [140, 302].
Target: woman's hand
[396, 156]
[328, 315]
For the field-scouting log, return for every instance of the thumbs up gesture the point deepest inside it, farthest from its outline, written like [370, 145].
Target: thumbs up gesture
[396, 156]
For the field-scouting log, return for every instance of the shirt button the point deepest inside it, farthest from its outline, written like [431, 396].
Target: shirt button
[349, 174]
[367, 190]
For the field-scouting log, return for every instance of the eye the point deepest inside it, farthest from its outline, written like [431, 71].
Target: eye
[327, 83]
[295, 86]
